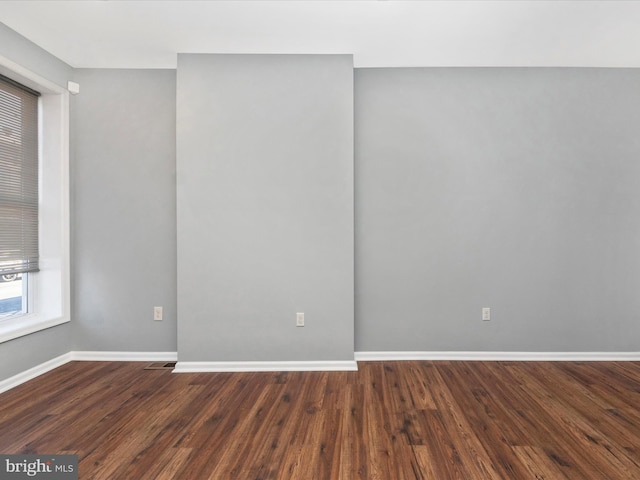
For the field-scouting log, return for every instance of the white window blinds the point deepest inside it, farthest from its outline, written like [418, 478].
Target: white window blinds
[18, 178]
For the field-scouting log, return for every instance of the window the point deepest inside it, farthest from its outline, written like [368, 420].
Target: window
[14, 299]
[18, 194]
[49, 289]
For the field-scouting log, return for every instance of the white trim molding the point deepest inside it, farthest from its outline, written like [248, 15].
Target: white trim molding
[34, 372]
[124, 356]
[502, 356]
[38, 370]
[310, 366]
[49, 295]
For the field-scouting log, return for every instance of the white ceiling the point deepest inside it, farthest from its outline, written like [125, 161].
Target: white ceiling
[149, 33]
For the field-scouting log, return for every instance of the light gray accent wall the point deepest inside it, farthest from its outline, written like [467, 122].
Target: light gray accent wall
[515, 189]
[22, 353]
[31, 350]
[123, 210]
[265, 207]
[18, 49]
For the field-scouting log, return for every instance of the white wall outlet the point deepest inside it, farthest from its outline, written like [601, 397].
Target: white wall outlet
[486, 314]
[157, 313]
[300, 319]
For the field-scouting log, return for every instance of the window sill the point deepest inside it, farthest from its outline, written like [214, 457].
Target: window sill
[25, 325]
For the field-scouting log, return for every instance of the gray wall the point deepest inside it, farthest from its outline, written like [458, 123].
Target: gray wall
[265, 207]
[509, 188]
[123, 206]
[29, 351]
[27, 54]
[515, 189]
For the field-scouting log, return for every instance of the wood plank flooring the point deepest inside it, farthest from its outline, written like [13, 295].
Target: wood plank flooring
[388, 421]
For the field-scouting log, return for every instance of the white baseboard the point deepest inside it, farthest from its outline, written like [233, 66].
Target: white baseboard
[34, 372]
[27, 375]
[502, 356]
[347, 365]
[191, 367]
[124, 356]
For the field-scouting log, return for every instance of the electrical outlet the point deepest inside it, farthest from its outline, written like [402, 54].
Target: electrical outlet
[300, 319]
[157, 313]
[486, 314]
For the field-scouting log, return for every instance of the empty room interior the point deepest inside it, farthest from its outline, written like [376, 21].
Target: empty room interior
[321, 240]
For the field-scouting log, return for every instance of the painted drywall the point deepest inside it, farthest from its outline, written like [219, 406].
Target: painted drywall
[509, 188]
[27, 54]
[515, 189]
[123, 210]
[25, 352]
[265, 207]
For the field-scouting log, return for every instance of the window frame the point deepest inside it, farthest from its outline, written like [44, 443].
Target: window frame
[49, 289]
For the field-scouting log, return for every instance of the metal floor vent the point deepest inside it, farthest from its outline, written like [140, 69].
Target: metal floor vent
[161, 366]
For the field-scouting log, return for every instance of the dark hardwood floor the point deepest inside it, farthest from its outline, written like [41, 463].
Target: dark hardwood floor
[389, 421]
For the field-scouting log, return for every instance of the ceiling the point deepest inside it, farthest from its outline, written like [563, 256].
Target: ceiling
[149, 33]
